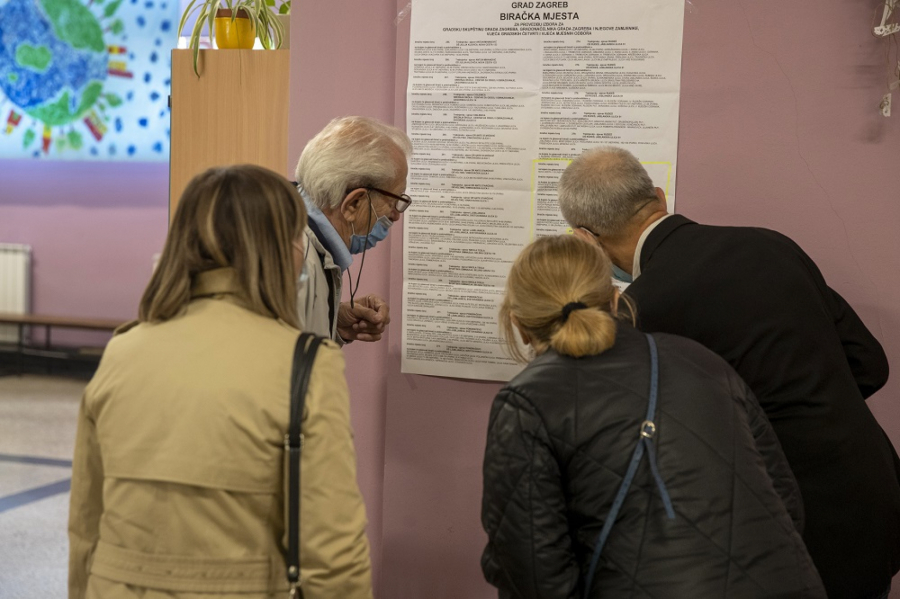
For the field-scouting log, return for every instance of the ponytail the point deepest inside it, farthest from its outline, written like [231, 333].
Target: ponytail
[585, 333]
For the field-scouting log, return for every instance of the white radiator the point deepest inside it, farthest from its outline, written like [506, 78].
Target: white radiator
[15, 285]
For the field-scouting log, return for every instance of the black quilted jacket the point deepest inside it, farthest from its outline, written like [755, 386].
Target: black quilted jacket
[559, 441]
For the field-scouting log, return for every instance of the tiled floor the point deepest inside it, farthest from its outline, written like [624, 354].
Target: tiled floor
[37, 433]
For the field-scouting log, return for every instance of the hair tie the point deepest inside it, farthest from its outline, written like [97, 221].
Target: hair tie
[571, 307]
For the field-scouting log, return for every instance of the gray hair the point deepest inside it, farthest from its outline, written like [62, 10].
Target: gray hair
[350, 152]
[603, 189]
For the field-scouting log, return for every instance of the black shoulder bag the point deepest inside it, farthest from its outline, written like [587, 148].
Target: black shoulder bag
[304, 356]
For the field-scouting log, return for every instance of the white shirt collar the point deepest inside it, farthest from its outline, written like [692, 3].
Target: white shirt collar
[636, 265]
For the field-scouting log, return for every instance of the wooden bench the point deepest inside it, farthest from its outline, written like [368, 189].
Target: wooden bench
[48, 323]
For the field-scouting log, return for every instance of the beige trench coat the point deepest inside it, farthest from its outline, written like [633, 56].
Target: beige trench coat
[178, 475]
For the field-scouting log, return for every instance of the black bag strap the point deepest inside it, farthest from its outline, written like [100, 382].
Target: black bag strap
[645, 441]
[304, 356]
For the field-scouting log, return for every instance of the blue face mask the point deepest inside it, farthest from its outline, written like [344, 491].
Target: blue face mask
[618, 274]
[621, 275]
[359, 243]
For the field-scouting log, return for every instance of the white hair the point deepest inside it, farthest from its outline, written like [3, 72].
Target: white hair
[603, 189]
[350, 152]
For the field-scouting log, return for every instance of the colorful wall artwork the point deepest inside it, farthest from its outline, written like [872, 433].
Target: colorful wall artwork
[86, 79]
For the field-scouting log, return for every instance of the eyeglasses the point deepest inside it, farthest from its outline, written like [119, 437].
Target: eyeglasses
[403, 201]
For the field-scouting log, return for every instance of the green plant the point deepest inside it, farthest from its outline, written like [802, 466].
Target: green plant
[268, 29]
[283, 9]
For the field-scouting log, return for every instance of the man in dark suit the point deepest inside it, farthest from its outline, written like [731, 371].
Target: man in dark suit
[754, 297]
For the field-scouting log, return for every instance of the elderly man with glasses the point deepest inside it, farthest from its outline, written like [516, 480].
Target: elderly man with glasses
[352, 176]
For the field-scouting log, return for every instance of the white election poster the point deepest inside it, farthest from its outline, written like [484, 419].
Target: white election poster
[502, 95]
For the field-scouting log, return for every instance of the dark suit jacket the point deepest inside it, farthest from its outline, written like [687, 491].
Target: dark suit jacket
[755, 298]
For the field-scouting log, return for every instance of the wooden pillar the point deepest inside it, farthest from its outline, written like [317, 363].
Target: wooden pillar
[236, 112]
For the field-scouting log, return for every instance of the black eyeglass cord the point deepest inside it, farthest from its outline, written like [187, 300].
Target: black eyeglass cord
[362, 261]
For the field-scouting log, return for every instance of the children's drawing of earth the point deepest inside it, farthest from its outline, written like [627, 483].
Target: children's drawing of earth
[53, 60]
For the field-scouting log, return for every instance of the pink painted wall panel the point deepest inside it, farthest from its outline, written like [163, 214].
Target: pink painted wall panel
[435, 437]
[342, 63]
[778, 129]
[93, 228]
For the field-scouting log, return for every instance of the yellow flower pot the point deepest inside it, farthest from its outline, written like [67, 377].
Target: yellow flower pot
[234, 34]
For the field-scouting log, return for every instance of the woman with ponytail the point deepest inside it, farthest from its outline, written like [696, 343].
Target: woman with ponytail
[620, 464]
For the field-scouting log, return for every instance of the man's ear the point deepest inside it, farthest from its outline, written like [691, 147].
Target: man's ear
[661, 195]
[584, 235]
[355, 204]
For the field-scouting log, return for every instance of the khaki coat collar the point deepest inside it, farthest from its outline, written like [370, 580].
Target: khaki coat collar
[219, 283]
[216, 282]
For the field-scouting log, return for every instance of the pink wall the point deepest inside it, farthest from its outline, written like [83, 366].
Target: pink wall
[342, 63]
[779, 130]
[435, 437]
[93, 228]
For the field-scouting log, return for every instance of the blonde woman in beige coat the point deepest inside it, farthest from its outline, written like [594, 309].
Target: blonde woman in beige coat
[178, 477]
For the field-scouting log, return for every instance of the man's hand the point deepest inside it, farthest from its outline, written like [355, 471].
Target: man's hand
[366, 321]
